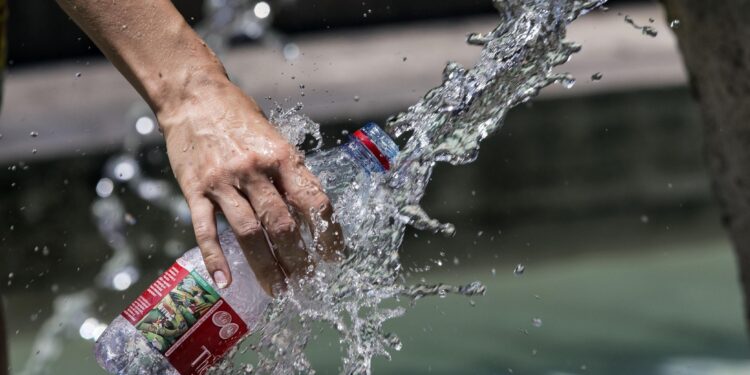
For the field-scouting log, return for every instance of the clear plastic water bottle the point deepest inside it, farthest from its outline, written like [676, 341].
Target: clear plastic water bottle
[183, 324]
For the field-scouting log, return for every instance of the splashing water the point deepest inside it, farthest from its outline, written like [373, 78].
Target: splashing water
[446, 125]
[645, 29]
[71, 311]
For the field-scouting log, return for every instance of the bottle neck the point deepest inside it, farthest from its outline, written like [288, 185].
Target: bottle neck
[363, 139]
[363, 156]
[374, 147]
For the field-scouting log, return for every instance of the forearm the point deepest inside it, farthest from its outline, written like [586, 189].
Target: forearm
[238, 163]
[151, 45]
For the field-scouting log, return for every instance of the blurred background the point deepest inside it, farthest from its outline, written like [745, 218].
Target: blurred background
[589, 216]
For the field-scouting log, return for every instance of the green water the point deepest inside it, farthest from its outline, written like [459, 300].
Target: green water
[615, 296]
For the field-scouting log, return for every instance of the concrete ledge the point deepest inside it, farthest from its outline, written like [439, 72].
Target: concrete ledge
[88, 113]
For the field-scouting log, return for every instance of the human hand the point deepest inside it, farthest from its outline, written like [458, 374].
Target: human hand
[227, 157]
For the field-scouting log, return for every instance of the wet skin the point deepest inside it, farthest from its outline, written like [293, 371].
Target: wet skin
[225, 154]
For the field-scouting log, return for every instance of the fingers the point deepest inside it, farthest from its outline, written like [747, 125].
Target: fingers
[252, 240]
[204, 224]
[282, 229]
[305, 194]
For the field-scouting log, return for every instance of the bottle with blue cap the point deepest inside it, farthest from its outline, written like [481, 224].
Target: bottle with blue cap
[369, 152]
[183, 324]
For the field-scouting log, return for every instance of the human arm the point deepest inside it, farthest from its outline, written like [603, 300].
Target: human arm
[225, 154]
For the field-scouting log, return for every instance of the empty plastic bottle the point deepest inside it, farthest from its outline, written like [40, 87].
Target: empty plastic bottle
[183, 324]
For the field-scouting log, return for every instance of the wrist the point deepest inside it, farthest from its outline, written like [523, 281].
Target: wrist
[169, 92]
[202, 103]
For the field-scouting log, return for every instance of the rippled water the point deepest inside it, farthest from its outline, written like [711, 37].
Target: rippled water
[446, 125]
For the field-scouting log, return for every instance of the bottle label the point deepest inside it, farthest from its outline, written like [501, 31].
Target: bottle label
[186, 320]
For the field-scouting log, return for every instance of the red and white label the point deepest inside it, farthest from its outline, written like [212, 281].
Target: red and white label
[191, 349]
[154, 294]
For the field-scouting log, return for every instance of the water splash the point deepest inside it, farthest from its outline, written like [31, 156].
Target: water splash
[446, 125]
[224, 20]
[645, 29]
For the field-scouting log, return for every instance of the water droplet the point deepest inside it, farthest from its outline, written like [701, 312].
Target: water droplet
[645, 30]
[356, 98]
[262, 10]
[125, 170]
[447, 230]
[519, 270]
[34, 134]
[130, 219]
[104, 187]
[122, 281]
[674, 24]
[78, 75]
[568, 82]
[597, 76]
[644, 219]
[33, 151]
[144, 125]
[291, 51]
[650, 31]
[536, 322]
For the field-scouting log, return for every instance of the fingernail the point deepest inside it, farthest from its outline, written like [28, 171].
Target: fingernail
[221, 279]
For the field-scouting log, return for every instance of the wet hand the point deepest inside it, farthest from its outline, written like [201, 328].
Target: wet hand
[228, 158]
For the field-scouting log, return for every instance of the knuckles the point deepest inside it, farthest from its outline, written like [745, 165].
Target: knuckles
[213, 176]
[212, 259]
[312, 200]
[246, 166]
[204, 232]
[282, 226]
[320, 202]
[248, 228]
